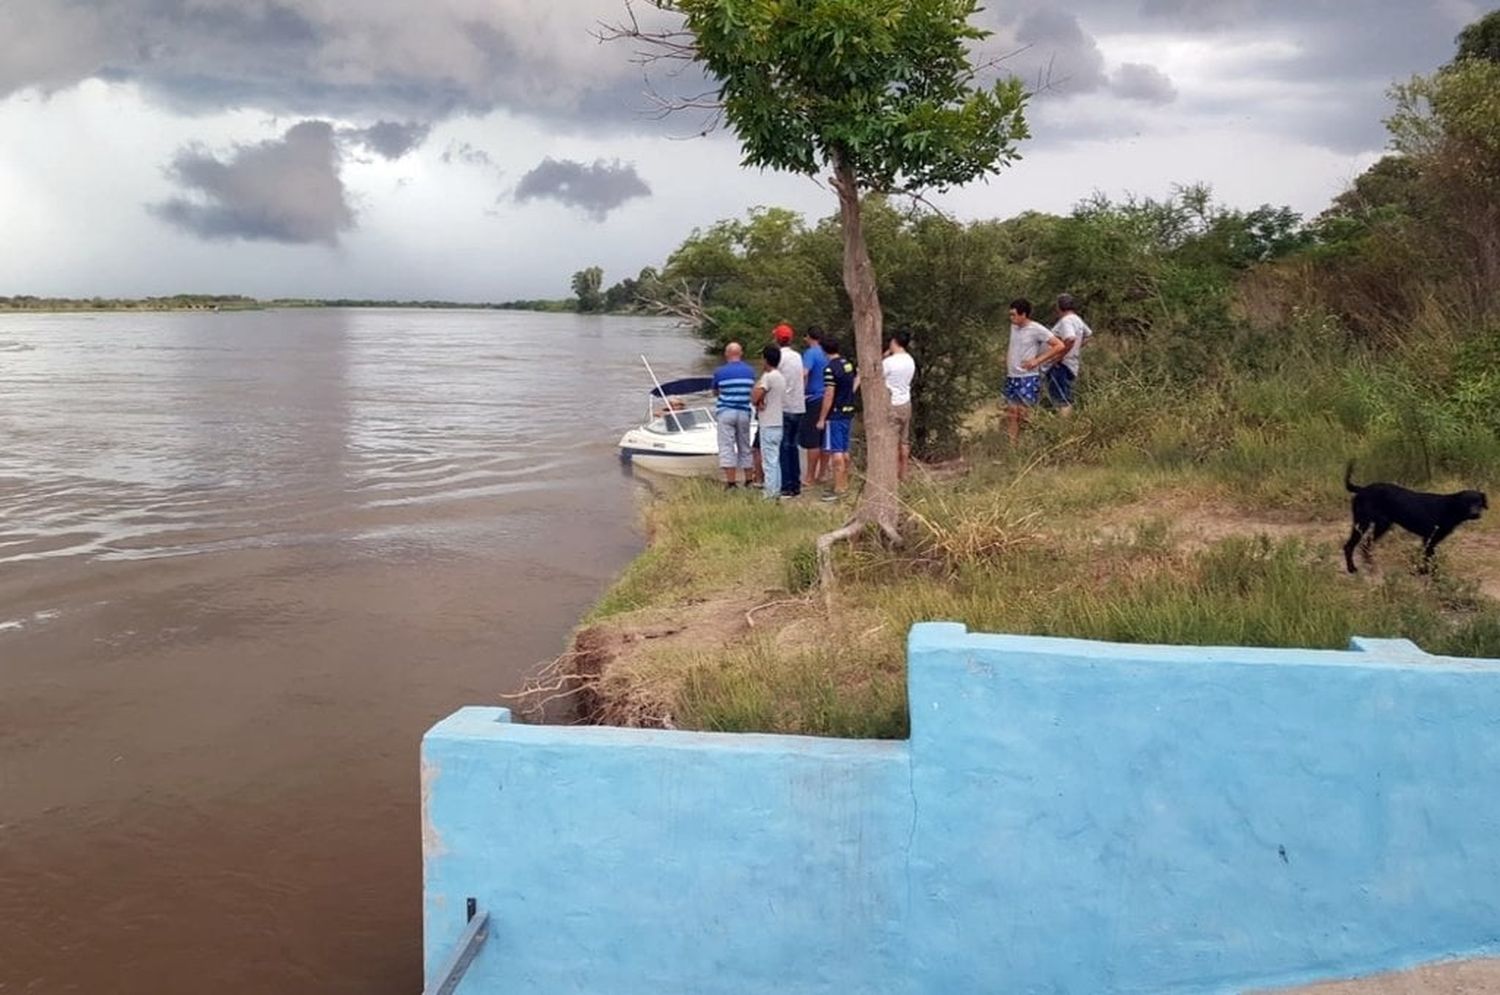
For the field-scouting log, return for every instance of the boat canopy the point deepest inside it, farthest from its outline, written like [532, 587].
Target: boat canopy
[677, 388]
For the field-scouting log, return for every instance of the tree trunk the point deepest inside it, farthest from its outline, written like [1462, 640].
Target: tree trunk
[878, 503]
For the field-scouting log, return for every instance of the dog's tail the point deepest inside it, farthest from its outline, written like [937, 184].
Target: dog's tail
[1349, 479]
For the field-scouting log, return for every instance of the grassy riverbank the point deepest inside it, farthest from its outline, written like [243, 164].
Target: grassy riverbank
[1243, 356]
[1206, 515]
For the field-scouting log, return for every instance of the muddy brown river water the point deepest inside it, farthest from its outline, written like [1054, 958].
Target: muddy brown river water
[246, 559]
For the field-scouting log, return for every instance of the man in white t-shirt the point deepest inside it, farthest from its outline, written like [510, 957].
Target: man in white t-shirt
[769, 397]
[1032, 346]
[1073, 332]
[792, 410]
[900, 369]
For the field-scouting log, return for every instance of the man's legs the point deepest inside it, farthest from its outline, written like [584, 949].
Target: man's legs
[1015, 416]
[770, 448]
[836, 454]
[1060, 389]
[791, 467]
[757, 472]
[812, 444]
[742, 443]
[901, 422]
[728, 456]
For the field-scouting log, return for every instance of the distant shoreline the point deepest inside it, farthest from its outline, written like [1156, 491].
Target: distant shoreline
[196, 302]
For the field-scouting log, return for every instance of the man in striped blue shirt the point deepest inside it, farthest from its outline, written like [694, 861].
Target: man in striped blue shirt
[733, 383]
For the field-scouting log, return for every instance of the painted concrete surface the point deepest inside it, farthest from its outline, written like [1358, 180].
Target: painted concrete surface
[1067, 817]
[626, 861]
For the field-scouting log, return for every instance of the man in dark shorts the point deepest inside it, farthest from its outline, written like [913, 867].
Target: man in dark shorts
[1074, 333]
[810, 435]
[836, 416]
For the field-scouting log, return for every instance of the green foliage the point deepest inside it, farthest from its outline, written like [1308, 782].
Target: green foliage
[884, 87]
[587, 284]
[1481, 40]
[801, 567]
[949, 282]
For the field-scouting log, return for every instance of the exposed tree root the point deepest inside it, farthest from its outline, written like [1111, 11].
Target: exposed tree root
[848, 532]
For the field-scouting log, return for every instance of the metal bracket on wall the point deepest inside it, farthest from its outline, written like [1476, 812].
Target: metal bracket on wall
[464, 952]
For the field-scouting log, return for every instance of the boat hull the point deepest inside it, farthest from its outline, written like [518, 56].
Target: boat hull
[673, 464]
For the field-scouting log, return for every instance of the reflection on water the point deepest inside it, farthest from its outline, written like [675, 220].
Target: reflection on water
[129, 436]
[245, 559]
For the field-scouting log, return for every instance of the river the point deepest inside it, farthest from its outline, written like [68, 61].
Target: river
[246, 559]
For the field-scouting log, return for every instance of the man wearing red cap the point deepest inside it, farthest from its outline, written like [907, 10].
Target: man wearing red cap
[792, 410]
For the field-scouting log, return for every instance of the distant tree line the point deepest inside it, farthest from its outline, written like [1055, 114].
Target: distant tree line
[627, 296]
[176, 302]
[239, 302]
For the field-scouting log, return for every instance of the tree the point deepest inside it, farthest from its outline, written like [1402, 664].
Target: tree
[586, 287]
[1481, 40]
[883, 94]
[1448, 124]
[622, 296]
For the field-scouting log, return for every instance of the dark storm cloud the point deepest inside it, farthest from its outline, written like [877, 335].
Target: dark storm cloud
[284, 190]
[370, 59]
[1306, 71]
[1138, 81]
[1066, 59]
[597, 189]
[388, 139]
[385, 59]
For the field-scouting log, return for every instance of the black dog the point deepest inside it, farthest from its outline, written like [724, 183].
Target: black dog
[1429, 517]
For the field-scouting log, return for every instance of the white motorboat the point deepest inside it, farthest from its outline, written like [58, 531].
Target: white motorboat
[681, 435]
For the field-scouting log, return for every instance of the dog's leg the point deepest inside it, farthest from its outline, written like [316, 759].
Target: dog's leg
[1355, 538]
[1430, 545]
[1381, 528]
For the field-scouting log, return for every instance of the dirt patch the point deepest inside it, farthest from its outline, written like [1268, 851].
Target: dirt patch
[1473, 552]
[1475, 977]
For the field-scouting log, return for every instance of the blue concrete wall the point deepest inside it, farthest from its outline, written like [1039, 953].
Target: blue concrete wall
[1068, 817]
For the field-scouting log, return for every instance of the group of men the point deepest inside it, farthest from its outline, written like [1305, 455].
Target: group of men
[804, 403]
[1039, 353]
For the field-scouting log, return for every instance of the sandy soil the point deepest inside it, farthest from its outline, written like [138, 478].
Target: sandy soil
[1477, 977]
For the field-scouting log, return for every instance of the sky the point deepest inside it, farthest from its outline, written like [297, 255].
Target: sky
[484, 150]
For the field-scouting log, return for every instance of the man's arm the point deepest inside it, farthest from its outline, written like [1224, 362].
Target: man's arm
[758, 395]
[1056, 349]
[827, 406]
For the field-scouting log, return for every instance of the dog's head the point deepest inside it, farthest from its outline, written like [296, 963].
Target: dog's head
[1475, 502]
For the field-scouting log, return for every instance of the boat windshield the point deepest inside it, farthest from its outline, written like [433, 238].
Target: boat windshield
[682, 421]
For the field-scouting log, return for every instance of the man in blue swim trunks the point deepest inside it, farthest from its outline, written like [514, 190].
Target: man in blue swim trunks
[1032, 345]
[1073, 332]
[837, 415]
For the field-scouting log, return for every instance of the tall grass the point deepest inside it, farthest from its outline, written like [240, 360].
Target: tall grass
[704, 539]
[1277, 433]
[843, 687]
[1240, 592]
